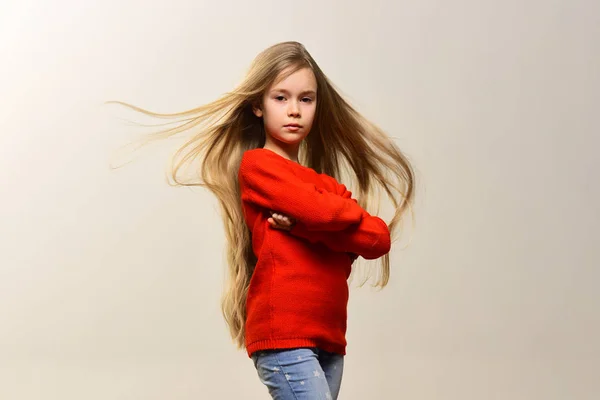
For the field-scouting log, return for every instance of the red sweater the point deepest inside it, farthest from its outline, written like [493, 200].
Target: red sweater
[298, 293]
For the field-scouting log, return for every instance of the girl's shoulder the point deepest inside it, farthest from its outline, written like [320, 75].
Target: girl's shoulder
[264, 162]
[264, 155]
[261, 156]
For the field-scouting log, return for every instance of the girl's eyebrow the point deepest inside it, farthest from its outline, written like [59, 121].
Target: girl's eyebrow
[309, 91]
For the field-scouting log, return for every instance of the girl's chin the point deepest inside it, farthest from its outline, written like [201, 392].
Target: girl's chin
[289, 138]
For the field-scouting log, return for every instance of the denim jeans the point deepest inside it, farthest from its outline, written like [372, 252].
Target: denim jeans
[300, 374]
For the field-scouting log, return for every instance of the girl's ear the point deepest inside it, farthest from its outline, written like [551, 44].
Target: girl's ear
[257, 111]
[257, 108]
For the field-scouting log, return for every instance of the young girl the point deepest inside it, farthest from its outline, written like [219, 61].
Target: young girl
[271, 151]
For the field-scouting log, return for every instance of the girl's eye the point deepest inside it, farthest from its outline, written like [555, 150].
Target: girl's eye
[307, 99]
[279, 98]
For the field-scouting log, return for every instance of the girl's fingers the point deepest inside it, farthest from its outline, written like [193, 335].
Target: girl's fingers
[274, 221]
[276, 225]
[282, 219]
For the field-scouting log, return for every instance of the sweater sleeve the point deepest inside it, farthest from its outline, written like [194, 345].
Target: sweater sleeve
[269, 182]
[369, 239]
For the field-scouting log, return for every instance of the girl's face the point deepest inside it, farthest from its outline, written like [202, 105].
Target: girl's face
[288, 109]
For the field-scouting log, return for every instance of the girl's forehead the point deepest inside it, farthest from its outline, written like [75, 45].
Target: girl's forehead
[302, 79]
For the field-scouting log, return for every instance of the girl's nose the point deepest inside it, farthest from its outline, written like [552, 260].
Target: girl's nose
[293, 109]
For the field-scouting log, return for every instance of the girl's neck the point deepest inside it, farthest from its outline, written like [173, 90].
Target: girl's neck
[286, 151]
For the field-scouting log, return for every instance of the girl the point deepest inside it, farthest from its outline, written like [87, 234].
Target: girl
[271, 151]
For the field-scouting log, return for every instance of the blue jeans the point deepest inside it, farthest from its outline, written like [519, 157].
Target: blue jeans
[300, 374]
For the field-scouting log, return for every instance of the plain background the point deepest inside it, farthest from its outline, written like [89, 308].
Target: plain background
[110, 279]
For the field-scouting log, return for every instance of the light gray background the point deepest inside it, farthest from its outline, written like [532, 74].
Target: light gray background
[110, 280]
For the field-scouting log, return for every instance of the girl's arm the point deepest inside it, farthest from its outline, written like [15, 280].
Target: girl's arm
[369, 239]
[269, 182]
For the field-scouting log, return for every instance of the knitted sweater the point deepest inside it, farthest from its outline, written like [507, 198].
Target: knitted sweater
[298, 292]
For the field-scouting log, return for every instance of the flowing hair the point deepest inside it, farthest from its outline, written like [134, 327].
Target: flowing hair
[341, 140]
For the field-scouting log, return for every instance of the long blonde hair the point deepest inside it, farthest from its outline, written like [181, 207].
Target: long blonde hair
[341, 140]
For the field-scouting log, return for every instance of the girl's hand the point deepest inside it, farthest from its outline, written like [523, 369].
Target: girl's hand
[280, 221]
